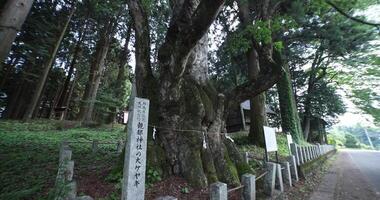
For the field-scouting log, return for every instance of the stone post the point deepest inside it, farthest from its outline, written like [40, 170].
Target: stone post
[120, 146]
[95, 146]
[246, 157]
[293, 167]
[279, 182]
[249, 182]
[300, 153]
[218, 191]
[270, 179]
[287, 174]
[294, 152]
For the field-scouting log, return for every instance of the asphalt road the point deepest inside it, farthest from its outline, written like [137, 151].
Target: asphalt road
[354, 174]
[368, 162]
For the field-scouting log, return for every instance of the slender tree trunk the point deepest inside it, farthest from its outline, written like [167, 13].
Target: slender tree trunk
[45, 72]
[96, 72]
[290, 121]
[318, 59]
[257, 104]
[122, 75]
[67, 100]
[60, 104]
[12, 17]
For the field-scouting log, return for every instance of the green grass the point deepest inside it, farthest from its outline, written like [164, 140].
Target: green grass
[29, 155]
[242, 140]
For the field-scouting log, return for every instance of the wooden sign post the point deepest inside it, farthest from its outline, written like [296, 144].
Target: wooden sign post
[270, 142]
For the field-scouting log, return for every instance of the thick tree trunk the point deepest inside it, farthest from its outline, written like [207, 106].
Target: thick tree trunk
[12, 17]
[45, 71]
[290, 121]
[96, 72]
[189, 111]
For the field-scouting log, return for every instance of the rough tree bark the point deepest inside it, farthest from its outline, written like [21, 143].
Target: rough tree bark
[12, 17]
[45, 71]
[183, 76]
[190, 109]
[290, 121]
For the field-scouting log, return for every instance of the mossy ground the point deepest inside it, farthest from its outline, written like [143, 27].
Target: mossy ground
[243, 143]
[29, 155]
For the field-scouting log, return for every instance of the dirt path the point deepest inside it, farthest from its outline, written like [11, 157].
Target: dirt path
[345, 181]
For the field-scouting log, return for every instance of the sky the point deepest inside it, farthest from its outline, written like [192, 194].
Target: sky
[353, 114]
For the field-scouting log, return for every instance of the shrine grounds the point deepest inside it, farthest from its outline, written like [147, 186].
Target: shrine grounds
[29, 161]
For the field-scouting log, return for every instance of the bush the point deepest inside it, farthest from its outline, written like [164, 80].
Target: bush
[351, 141]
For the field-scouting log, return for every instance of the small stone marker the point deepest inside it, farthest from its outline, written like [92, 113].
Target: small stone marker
[72, 190]
[287, 174]
[279, 181]
[300, 152]
[135, 156]
[95, 144]
[293, 148]
[218, 191]
[270, 179]
[246, 157]
[293, 168]
[120, 146]
[249, 182]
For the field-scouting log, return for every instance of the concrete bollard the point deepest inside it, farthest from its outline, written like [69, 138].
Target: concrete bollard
[300, 153]
[304, 154]
[270, 179]
[64, 154]
[279, 181]
[69, 172]
[293, 168]
[95, 146]
[120, 146]
[72, 190]
[294, 152]
[246, 157]
[249, 190]
[218, 191]
[287, 174]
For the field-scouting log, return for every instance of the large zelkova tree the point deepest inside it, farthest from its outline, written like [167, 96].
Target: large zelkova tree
[190, 111]
[13, 15]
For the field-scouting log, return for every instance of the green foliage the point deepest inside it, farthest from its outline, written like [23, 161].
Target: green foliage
[351, 141]
[152, 176]
[185, 190]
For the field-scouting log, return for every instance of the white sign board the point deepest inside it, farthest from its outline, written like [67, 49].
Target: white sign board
[290, 140]
[270, 139]
[135, 152]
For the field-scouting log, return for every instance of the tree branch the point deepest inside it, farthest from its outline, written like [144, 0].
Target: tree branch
[351, 17]
[184, 33]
